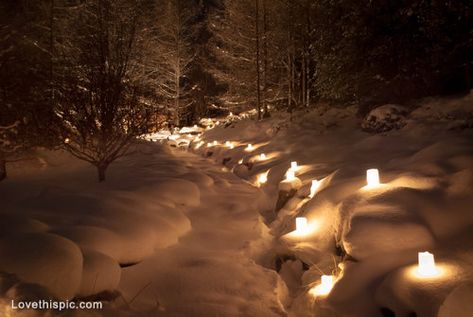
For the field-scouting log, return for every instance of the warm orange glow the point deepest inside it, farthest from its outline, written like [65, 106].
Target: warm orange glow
[67, 140]
[249, 148]
[324, 288]
[262, 178]
[240, 161]
[262, 157]
[198, 145]
[215, 143]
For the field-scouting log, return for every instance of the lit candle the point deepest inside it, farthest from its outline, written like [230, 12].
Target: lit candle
[262, 156]
[249, 148]
[294, 165]
[262, 178]
[301, 224]
[67, 140]
[240, 161]
[215, 142]
[372, 177]
[209, 144]
[325, 286]
[195, 126]
[426, 266]
[313, 188]
[290, 175]
[231, 114]
[228, 143]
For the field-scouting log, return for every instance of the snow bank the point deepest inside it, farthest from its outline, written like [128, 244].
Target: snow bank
[62, 230]
[46, 259]
[424, 156]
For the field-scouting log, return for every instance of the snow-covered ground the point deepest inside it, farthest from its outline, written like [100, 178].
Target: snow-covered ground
[207, 227]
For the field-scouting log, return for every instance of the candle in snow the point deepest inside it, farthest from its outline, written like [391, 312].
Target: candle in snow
[426, 266]
[324, 288]
[290, 175]
[301, 224]
[372, 177]
[313, 188]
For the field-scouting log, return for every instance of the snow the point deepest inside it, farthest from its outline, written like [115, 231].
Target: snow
[197, 233]
[45, 259]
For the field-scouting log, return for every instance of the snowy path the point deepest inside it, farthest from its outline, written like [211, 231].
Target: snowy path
[210, 271]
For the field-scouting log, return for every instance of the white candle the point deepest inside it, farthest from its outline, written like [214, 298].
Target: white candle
[294, 165]
[301, 224]
[313, 188]
[325, 286]
[426, 265]
[262, 156]
[290, 175]
[262, 178]
[372, 177]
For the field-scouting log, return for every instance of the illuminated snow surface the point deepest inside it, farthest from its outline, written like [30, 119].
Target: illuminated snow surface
[210, 231]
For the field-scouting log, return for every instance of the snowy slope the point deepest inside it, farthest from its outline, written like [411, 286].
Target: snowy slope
[424, 203]
[208, 223]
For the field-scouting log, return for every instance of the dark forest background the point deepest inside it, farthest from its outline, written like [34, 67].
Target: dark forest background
[91, 76]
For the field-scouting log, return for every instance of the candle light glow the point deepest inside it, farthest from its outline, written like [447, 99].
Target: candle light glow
[426, 266]
[372, 177]
[324, 288]
[313, 188]
[290, 175]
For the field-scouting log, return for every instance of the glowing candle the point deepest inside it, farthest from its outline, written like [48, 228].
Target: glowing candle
[426, 264]
[231, 114]
[209, 144]
[262, 156]
[240, 161]
[313, 188]
[325, 286]
[231, 146]
[301, 224]
[249, 148]
[67, 140]
[372, 177]
[294, 165]
[215, 142]
[228, 143]
[262, 178]
[290, 175]
[195, 126]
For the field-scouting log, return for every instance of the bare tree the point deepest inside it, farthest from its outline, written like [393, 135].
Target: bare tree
[174, 53]
[101, 99]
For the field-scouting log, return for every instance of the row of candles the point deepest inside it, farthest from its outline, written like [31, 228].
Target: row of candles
[426, 263]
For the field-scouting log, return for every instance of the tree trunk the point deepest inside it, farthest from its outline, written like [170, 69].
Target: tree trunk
[101, 169]
[258, 79]
[265, 63]
[3, 169]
